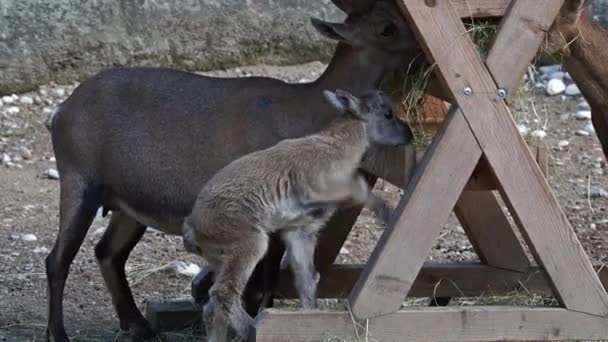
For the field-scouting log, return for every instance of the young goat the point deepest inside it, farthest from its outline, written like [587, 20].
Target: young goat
[292, 188]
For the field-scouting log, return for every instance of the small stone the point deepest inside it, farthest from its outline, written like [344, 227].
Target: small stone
[39, 250]
[583, 115]
[26, 100]
[583, 105]
[37, 100]
[343, 250]
[549, 69]
[7, 99]
[582, 133]
[186, 268]
[47, 110]
[58, 92]
[563, 143]
[598, 192]
[593, 226]
[539, 85]
[13, 110]
[540, 134]
[555, 87]
[564, 117]
[558, 75]
[589, 128]
[25, 153]
[24, 237]
[6, 158]
[523, 130]
[52, 174]
[572, 90]
[15, 97]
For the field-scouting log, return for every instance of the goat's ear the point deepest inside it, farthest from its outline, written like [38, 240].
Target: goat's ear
[337, 31]
[343, 101]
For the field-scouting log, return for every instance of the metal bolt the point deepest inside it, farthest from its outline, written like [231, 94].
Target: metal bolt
[467, 91]
[501, 93]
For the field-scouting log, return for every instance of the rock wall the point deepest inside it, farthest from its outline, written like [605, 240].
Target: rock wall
[65, 40]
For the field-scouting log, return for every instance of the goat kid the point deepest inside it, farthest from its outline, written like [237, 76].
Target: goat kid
[582, 46]
[291, 188]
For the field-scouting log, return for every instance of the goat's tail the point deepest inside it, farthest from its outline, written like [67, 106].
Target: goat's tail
[189, 240]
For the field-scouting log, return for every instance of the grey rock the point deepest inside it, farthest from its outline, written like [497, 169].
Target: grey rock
[572, 90]
[557, 75]
[549, 69]
[65, 40]
[583, 105]
[25, 153]
[582, 133]
[58, 92]
[583, 115]
[555, 87]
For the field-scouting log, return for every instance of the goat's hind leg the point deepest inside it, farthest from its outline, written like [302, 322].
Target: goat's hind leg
[79, 201]
[225, 294]
[112, 251]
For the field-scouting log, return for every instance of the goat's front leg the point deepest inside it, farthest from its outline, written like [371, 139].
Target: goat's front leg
[300, 256]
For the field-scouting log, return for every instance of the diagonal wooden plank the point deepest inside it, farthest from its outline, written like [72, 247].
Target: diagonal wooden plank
[490, 231]
[402, 248]
[519, 36]
[535, 207]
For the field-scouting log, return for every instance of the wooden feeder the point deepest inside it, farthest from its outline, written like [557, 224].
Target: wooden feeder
[476, 150]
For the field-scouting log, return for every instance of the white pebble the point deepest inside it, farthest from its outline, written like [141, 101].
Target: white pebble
[47, 110]
[7, 99]
[6, 159]
[343, 250]
[582, 133]
[52, 174]
[523, 130]
[563, 143]
[555, 87]
[583, 115]
[58, 92]
[25, 153]
[13, 110]
[24, 237]
[26, 100]
[15, 97]
[186, 268]
[572, 90]
[539, 133]
[39, 250]
[589, 128]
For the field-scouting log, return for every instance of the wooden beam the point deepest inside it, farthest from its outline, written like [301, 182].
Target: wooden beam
[489, 231]
[523, 26]
[547, 230]
[402, 248]
[443, 324]
[480, 8]
[434, 280]
[397, 165]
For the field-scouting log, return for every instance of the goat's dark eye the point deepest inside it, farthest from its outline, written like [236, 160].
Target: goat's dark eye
[388, 115]
[388, 30]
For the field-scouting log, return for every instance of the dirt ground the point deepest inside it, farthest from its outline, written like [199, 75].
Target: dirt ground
[29, 205]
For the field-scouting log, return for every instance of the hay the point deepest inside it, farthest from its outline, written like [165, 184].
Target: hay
[407, 86]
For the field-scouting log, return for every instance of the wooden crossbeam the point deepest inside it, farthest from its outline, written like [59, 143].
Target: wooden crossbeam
[459, 66]
[445, 324]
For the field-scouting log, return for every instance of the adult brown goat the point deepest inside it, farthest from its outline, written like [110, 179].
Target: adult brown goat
[142, 142]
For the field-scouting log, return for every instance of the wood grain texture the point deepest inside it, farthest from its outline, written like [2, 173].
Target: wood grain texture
[534, 206]
[420, 215]
[489, 231]
[442, 324]
[480, 8]
[433, 280]
[519, 36]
